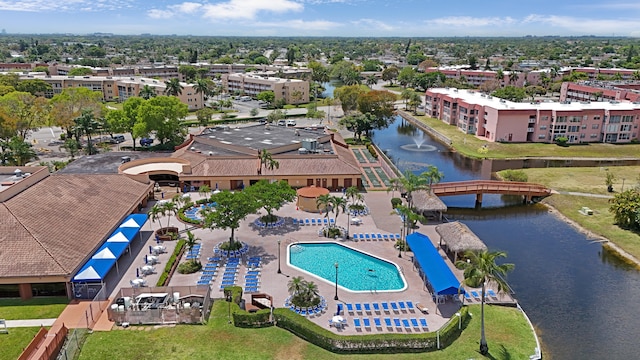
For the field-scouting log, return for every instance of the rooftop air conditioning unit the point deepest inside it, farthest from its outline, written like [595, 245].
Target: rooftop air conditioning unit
[310, 144]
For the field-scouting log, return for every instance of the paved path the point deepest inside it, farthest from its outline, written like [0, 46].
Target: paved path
[30, 323]
[573, 193]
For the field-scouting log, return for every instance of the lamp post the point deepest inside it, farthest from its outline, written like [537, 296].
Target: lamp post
[401, 240]
[349, 222]
[459, 320]
[229, 298]
[336, 265]
[279, 272]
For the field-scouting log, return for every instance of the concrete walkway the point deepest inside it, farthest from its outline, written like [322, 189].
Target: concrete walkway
[29, 323]
[573, 193]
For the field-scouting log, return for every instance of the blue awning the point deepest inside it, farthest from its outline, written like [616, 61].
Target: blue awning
[442, 279]
[94, 270]
[134, 221]
[116, 248]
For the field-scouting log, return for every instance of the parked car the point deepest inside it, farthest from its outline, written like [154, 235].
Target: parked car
[117, 139]
[146, 142]
[291, 122]
[282, 122]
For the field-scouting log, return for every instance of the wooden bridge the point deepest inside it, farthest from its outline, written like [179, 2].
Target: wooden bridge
[479, 187]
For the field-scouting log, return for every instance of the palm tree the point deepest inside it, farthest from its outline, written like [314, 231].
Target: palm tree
[155, 212]
[479, 270]
[169, 208]
[19, 152]
[86, 124]
[338, 203]
[266, 160]
[310, 290]
[202, 87]
[406, 95]
[433, 175]
[409, 183]
[71, 146]
[190, 242]
[513, 77]
[147, 92]
[174, 88]
[371, 80]
[204, 191]
[500, 76]
[323, 202]
[295, 285]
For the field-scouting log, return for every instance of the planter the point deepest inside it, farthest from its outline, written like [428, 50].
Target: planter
[167, 233]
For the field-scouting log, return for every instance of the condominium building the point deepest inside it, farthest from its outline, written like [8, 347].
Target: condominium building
[116, 88]
[593, 90]
[495, 119]
[293, 91]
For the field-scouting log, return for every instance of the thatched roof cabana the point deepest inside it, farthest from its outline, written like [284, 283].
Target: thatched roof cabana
[425, 202]
[458, 238]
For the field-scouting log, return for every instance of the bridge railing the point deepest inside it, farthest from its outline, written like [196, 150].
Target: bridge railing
[488, 185]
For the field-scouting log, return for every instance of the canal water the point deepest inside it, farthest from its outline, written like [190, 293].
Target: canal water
[582, 300]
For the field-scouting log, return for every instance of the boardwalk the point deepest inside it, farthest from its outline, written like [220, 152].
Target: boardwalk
[480, 187]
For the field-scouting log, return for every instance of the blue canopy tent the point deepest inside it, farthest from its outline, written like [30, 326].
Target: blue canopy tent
[434, 269]
[95, 270]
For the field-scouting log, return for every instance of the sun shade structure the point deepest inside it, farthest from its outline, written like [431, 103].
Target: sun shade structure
[431, 267]
[307, 197]
[425, 202]
[458, 238]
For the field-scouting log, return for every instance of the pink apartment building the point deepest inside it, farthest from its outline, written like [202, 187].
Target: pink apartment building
[494, 119]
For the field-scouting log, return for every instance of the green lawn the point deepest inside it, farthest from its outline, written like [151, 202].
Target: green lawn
[471, 146]
[11, 344]
[35, 308]
[508, 335]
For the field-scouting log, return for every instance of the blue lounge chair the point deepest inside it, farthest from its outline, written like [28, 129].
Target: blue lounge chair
[492, 294]
[325, 221]
[295, 221]
[356, 323]
[359, 307]
[349, 308]
[313, 221]
[340, 309]
[423, 323]
[378, 323]
[367, 307]
[376, 307]
[203, 282]
[385, 306]
[402, 306]
[306, 221]
[387, 322]
[394, 306]
[405, 324]
[367, 236]
[206, 277]
[332, 221]
[367, 323]
[398, 236]
[385, 237]
[467, 296]
[251, 290]
[397, 323]
[251, 276]
[475, 295]
[379, 236]
[410, 306]
[414, 323]
[210, 272]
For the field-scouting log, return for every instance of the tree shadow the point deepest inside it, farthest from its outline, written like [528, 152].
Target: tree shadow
[503, 352]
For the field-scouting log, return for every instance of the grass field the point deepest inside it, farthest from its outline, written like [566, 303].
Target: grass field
[471, 146]
[11, 344]
[36, 308]
[508, 335]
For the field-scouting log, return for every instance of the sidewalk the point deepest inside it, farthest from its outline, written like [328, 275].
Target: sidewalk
[29, 323]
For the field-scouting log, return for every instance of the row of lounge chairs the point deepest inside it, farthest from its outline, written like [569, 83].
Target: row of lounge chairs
[272, 225]
[194, 253]
[231, 254]
[209, 271]
[252, 276]
[387, 307]
[410, 324]
[316, 310]
[313, 221]
[230, 273]
[375, 236]
[470, 296]
[363, 212]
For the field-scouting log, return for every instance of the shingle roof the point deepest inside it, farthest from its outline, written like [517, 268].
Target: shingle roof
[54, 225]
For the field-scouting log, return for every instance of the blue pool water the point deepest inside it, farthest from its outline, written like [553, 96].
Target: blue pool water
[193, 212]
[357, 271]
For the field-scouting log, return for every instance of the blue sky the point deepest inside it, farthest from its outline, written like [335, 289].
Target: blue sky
[324, 17]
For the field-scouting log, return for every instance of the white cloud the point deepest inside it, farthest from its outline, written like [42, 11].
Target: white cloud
[63, 6]
[307, 26]
[374, 24]
[248, 9]
[187, 7]
[468, 21]
[160, 14]
[585, 25]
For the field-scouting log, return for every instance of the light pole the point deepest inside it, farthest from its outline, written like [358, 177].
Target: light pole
[400, 244]
[349, 221]
[336, 265]
[623, 184]
[229, 298]
[459, 320]
[279, 272]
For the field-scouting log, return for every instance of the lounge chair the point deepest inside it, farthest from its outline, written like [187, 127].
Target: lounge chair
[306, 222]
[359, 307]
[423, 309]
[475, 295]
[414, 323]
[394, 306]
[468, 297]
[398, 237]
[397, 323]
[406, 324]
[367, 307]
[378, 323]
[295, 221]
[376, 307]
[340, 309]
[367, 236]
[492, 294]
[423, 323]
[409, 306]
[402, 306]
[325, 221]
[250, 290]
[349, 308]
[385, 306]
[332, 221]
[387, 322]
[209, 272]
[356, 323]
[203, 282]
[379, 236]
[385, 237]
[367, 323]
[313, 221]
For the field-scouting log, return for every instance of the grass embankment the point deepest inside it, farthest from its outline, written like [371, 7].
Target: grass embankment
[36, 308]
[471, 146]
[590, 180]
[508, 334]
[16, 340]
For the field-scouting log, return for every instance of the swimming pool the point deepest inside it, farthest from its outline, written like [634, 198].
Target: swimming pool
[193, 212]
[357, 271]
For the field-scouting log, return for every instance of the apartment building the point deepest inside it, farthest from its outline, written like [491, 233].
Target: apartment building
[293, 91]
[495, 119]
[593, 90]
[114, 88]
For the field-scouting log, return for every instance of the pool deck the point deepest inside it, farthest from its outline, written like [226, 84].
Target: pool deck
[264, 243]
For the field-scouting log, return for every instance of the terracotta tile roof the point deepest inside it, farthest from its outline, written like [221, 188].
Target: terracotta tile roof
[53, 226]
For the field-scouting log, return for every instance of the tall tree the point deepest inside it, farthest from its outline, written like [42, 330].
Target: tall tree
[480, 270]
[71, 102]
[271, 196]
[348, 96]
[17, 152]
[27, 111]
[173, 87]
[147, 92]
[203, 87]
[125, 120]
[389, 74]
[230, 209]
[86, 124]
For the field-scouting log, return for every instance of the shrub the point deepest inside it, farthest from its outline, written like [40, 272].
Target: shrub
[395, 202]
[372, 150]
[189, 267]
[514, 175]
[332, 232]
[562, 141]
[236, 293]
[258, 319]
[226, 246]
[164, 277]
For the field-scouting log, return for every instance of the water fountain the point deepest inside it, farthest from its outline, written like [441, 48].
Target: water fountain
[418, 145]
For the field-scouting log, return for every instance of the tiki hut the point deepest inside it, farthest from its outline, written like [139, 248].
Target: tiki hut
[307, 198]
[457, 239]
[428, 204]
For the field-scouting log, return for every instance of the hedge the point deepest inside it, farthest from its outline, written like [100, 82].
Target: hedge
[372, 150]
[164, 278]
[258, 319]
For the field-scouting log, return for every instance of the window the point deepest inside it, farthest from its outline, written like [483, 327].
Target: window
[623, 136]
[625, 127]
[542, 136]
[561, 119]
[595, 126]
[614, 119]
[573, 129]
[627, 118]
[543, 127]
[593, 136]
